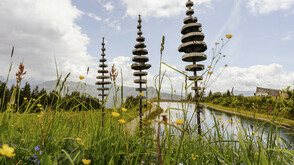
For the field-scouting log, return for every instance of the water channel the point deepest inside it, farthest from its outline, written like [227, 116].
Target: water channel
[175, 111]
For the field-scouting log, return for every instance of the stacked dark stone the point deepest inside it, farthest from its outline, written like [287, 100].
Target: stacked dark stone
[140, 65]
[103, 78]
[193, 46]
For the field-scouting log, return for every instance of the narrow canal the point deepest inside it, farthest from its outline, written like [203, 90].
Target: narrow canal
[229, 122]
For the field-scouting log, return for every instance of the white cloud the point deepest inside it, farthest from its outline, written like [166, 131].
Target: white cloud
[247, 79]
[267, 6]
[92, 15]
[289, 36]
[108, 6]
[156, 8]
[40, 31]
[111, 22]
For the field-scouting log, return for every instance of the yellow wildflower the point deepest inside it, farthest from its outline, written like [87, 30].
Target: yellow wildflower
[25, 98]
[81, 77]
[115, 114]
[141, 94]
[179, 122]
[210, 72]
[124, 109]
[209, 67]
[256, 153]
[7, 151]
[230, 121]
[255, 133]
[216, 43]
[41, 114]
[121, 121]
[39, 105]
[23, 139]
[197, 156]
[86, 161]
[220, 118]
[193, 158]
[239, 121]
[184, 72]
[78, 139]
[229, 36]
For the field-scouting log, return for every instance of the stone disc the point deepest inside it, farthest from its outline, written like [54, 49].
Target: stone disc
[191, 57]
[194, 67]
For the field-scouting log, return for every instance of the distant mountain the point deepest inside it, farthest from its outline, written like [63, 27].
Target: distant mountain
[92, 91]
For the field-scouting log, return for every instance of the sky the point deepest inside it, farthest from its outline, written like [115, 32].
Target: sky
[260, 53]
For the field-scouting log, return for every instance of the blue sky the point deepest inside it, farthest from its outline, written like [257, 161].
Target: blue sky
[260, 52]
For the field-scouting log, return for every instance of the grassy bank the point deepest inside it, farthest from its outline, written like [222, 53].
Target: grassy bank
[282, 121]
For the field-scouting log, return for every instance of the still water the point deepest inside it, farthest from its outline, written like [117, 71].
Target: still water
[176, 111]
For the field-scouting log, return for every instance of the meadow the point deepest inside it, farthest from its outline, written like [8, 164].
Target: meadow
[67, 132]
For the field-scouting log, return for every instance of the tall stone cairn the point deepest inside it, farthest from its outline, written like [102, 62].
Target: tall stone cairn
[102, 79]
[193, 46]
[140, 65]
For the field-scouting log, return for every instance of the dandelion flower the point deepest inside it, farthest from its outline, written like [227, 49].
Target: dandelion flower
[230, 121]
[255, 133]
[7, 151]
[179, 122]
[121, 121]
[141, 94]
[39, 105]
[220, 118]
[124, 109]
[25, 98]
[34, 99]
[210, 72]
[86, 161]
[197, 156]
[81, 77]
[115, 114]
[229, 36]
[78, 139]
[193, 158]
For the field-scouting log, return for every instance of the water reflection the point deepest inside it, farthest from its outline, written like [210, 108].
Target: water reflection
[229, 123]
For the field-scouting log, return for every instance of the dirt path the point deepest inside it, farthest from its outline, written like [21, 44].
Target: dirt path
[132, 125]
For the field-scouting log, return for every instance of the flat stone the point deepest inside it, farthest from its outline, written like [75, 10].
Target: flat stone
[102, 83]
[189, 11]
[190, 20]
[189, 4]
[142, 73]
[102, 71]
[140, 45]
[140, 66]
[140, 59]
[194, 56]
[139, 26]
[191, 27]
[194, 67]
[193, 46]
[139, 33]
[196, 88]
[103, 49]
[102, 60]
[193, 36]
[102, 77]
[140, 51]
[140, 39]
[195, 78]
[140, 81]
[102, 89]
[103, 65]
[102, 54]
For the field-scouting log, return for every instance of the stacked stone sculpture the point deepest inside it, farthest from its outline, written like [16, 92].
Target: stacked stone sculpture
[103, 78]
[140, 65]
[193, 46]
